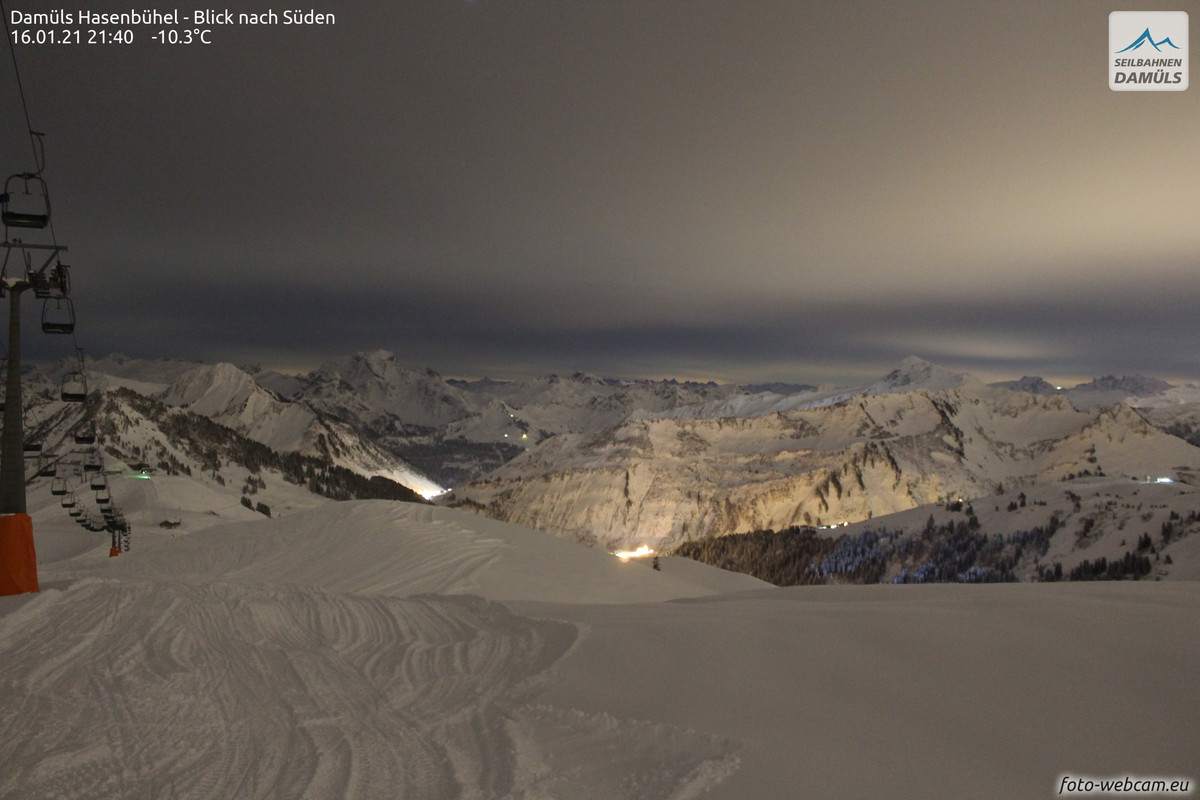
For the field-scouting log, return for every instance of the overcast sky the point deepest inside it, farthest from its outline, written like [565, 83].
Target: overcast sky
[726, 189]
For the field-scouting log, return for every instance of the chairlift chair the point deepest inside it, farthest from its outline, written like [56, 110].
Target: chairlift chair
[104, 498]
[31, 447]
[69, 500]
[75, 513]
[58, 316]
[46, 469]
[25, 202]
[74, 387]
[99, 482]
[84, 434]
[92, 461]
[59, 487]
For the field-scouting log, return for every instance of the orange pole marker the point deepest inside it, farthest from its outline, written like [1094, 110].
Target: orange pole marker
[18, 561]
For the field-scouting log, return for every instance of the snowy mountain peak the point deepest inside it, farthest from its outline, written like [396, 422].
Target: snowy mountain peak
[374, 388]
[211, 389]
[380, 362]
[380, 365]
[916, 373]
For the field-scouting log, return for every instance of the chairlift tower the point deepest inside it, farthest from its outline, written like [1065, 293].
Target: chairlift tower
[24, 205]
[12, 456]
[18, 560]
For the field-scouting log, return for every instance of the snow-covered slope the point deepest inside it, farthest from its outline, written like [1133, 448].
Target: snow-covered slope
[400, 549]
[358, 651]
[226, 394]
[1110, 390]
[232, 397]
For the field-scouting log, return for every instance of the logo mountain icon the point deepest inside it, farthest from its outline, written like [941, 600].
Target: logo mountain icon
[1146, 38]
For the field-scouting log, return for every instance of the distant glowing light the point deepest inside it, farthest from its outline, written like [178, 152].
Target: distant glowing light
[641, 552]
[429, 494]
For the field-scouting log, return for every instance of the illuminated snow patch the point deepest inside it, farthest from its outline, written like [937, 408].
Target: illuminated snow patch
[641, 552]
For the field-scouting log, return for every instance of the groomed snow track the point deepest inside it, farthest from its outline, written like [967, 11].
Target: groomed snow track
[160, 690]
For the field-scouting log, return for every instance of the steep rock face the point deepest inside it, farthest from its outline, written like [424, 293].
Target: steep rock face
[661, 481]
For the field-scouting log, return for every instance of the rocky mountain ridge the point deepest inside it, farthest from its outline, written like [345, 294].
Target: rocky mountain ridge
[660, 462]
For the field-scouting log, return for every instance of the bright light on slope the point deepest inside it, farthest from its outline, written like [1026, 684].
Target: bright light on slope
[641, 552]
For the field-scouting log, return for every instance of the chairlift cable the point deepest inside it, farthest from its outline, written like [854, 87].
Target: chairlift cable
[36, 144]
[39, 162]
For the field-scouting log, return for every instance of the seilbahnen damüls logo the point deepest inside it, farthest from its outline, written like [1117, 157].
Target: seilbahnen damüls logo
[1148, 51]
[1146, 38]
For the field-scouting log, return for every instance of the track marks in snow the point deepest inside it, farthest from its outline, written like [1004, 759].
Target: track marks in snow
[572, 755]
[174, 690]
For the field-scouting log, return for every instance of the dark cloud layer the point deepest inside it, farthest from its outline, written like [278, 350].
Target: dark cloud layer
[778, 190]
